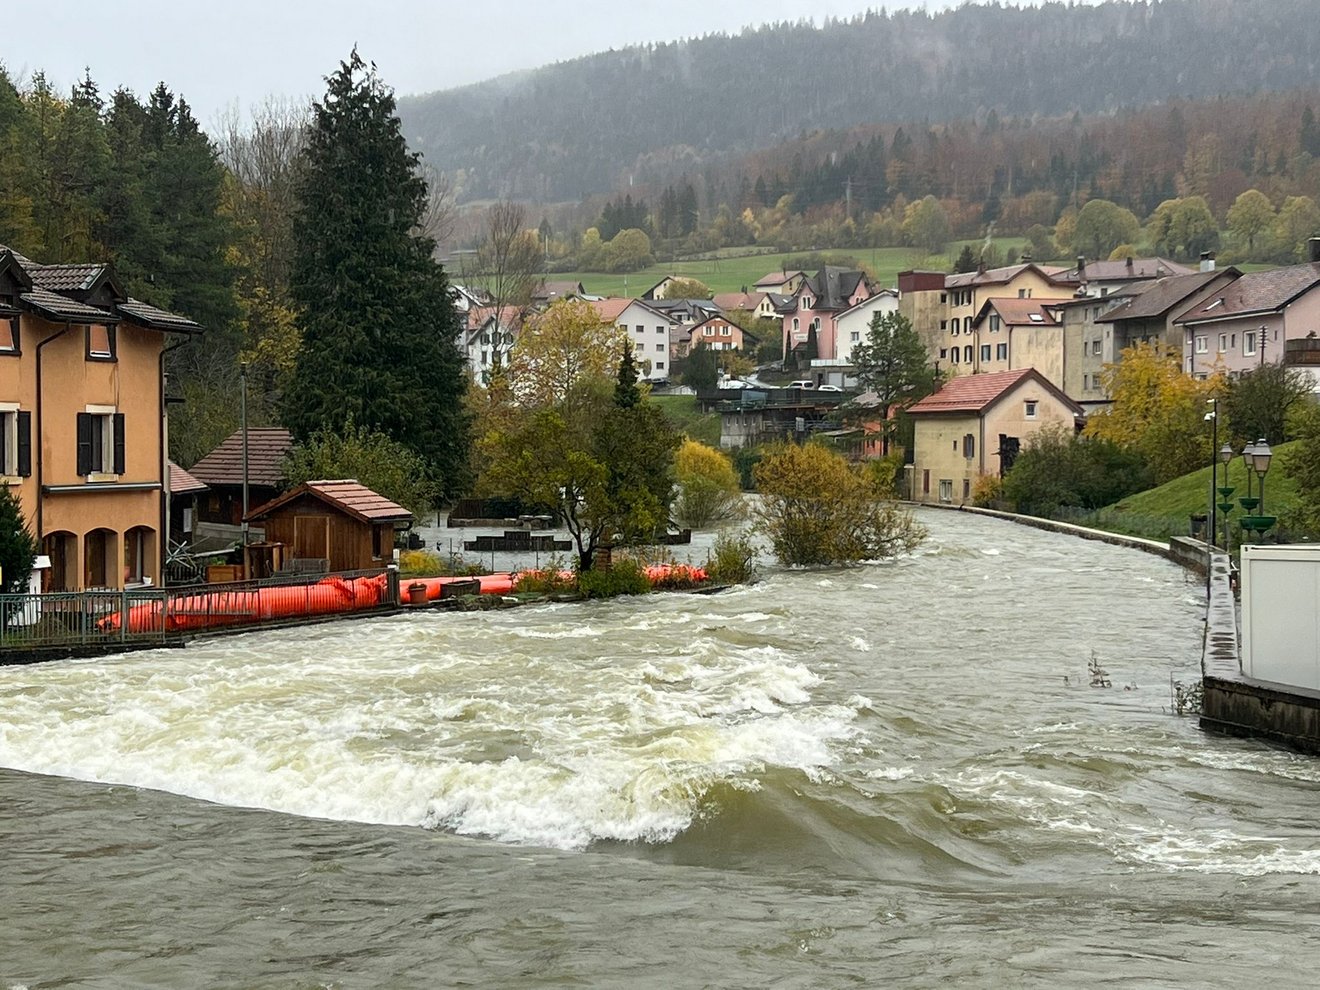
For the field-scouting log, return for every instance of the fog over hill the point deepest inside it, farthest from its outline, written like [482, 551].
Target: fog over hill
[651, 112]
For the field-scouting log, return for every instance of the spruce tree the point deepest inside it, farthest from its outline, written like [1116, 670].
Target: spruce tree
[380, 333]
[18, 547]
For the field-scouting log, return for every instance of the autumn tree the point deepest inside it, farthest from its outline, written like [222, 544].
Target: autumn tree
[560, 352]
[817, 509]
[926, 225]
[708, 489]
[379, 327]
[1297, 222]
[1158, 410]
[1303, 464]
[383, 465]
[1102, 226]
[1250, 217]
[1184, 227]
[687, 288]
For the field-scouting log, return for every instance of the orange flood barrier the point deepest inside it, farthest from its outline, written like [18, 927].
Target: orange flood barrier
[198, 610]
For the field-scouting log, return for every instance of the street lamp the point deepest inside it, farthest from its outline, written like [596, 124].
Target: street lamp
[1226, 456]
[1257, 457]
[1261, 462]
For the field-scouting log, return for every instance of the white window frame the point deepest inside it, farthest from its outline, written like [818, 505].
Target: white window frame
[105, 417]
[9, 427]
[1030, 408]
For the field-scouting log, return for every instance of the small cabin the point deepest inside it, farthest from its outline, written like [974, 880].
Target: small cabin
[327, 526]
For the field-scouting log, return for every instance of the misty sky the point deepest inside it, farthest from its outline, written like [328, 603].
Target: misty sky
[229, 53]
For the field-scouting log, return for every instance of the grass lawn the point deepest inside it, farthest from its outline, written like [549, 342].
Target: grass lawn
[729, 273]
[1165, 511]
[682, 411]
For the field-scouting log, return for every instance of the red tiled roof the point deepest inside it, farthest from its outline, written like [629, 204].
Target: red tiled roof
[1258, 292]
[610, 309]
[183, 483]
[995, 276]
[348, 496]
[970, 393]
[738, 300]
[267, 447]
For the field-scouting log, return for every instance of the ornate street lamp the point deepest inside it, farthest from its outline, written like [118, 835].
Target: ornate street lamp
[1226, 456]
[1259, 462]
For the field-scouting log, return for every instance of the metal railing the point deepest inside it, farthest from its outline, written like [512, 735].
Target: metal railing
[161, 615]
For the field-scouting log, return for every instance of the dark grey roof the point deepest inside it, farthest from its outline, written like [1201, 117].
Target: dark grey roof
[1259, 292]
[66, 278]
[832, 286]
[1126, 268]
[1157, 298]
[62, 308]
[136, 311]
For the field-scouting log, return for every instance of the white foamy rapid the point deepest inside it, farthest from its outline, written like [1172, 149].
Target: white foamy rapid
[559, 727]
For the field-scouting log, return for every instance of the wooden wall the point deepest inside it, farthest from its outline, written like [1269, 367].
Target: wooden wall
[313, 529]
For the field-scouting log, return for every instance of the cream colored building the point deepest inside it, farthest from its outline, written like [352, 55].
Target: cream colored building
[975, 425]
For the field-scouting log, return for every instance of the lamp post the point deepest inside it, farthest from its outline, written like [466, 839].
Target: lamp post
[1213, 416]
[1257, 457]
[1261, 462]
[1226, 491]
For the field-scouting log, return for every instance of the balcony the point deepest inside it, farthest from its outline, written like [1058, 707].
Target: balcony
[1302, 352]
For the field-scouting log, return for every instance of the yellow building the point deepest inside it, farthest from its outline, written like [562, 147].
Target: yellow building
[975, 425]
[82, 420]
[1013, 333]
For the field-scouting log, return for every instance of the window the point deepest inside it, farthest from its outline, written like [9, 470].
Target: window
[15, 442]
[1022, 293]
[9, 336]
[100, 442]
[1223, 342]
[967, 354]
[660, 347]
[641, 329]
[944, 297]
[725, 332]
[1095, 348]
[100, 343]
[1202, 345]
[925, 481]
[967, 489]
[994, 322]
[985, 352]
[659, 366]
[1001, 352]
[1249, 342]
[957, 327]
[485, 338]
[1232, 340]
[969, 446]
[485, 359]
[954, 354]
[795, 324]
[377, 542]
[967, 325]
[946, 489]
[1086, 382]
[638, 347]
[944, 353]
[710, 331]
[1030, 408]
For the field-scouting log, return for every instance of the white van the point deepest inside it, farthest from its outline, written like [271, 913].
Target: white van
[803, 383]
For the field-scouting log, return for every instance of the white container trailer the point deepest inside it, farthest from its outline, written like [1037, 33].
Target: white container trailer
[1281, 614]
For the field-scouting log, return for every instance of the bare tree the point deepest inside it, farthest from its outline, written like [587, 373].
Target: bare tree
[509, 261]
[441, 214]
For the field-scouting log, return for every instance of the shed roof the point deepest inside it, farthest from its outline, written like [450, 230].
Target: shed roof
[346, 495]
[976, 393]
[183, 483]
[267, 448]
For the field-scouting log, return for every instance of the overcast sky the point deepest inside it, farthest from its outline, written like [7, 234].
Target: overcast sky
[224, 53]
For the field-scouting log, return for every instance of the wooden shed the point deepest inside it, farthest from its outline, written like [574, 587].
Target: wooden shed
[331, 525]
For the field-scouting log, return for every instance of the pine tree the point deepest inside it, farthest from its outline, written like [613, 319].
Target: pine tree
[18, 546]
[379, 327]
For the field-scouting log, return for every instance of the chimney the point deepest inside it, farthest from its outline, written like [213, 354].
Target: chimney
[1081, 266]
[1313, 249]
[1128, 263]
[1207, 261]
[1026, 258]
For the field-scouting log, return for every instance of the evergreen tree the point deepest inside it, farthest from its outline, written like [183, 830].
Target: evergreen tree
[893, 363]
[966, 260]
[626, 393]
[18, 546]
[379, 327]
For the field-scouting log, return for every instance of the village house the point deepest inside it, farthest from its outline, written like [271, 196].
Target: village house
[548, 292]
[719, 334]
[818, 303]
[1016, 333]
[1079, 331]
[781, 283]
[82, 420]
[853, 325]
[488, 336]
[757, 305]
[647, 329]
[1147, 316]
[1100, 279]
[1251, 320]
[975, 425]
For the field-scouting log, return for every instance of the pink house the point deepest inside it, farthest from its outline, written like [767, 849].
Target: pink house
[1251, 320]
[817, 305]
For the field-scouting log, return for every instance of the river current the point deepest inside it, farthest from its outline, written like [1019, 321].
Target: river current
[897, 774]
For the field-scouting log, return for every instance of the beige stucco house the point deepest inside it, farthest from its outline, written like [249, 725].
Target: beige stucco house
[82, 420]
[975, 425]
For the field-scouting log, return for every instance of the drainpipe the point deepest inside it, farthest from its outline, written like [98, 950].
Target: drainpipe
[41, 433]
[163, 540]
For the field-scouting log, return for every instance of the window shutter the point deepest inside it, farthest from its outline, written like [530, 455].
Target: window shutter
[24, 444]
[84, 444]
[119, 443]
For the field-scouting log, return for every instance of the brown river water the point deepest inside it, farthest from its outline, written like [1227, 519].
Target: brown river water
[892, 775]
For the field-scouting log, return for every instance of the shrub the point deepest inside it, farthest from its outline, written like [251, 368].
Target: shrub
[1059, 468]
[732, 560]
[678, 577]
[420, 563]
[549, 580]
[817, 509]
[625, 577]
[987, 489]
[708, 489]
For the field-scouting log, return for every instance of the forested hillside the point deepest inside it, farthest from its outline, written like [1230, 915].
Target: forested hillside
[651, 113]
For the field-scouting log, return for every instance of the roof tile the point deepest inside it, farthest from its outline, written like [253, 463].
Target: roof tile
[267, 448]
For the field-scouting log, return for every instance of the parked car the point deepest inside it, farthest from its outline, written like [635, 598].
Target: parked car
[828, 388]
[801, 383]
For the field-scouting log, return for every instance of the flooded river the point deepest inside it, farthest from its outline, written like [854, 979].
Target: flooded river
[893, 775]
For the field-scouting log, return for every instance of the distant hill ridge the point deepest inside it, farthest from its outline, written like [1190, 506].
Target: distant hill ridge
[584, 126]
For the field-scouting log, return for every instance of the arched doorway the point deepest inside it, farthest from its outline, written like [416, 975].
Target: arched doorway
[62, 549]
[100, 551]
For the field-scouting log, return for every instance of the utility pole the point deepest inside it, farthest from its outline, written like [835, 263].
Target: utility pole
[242, 422]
